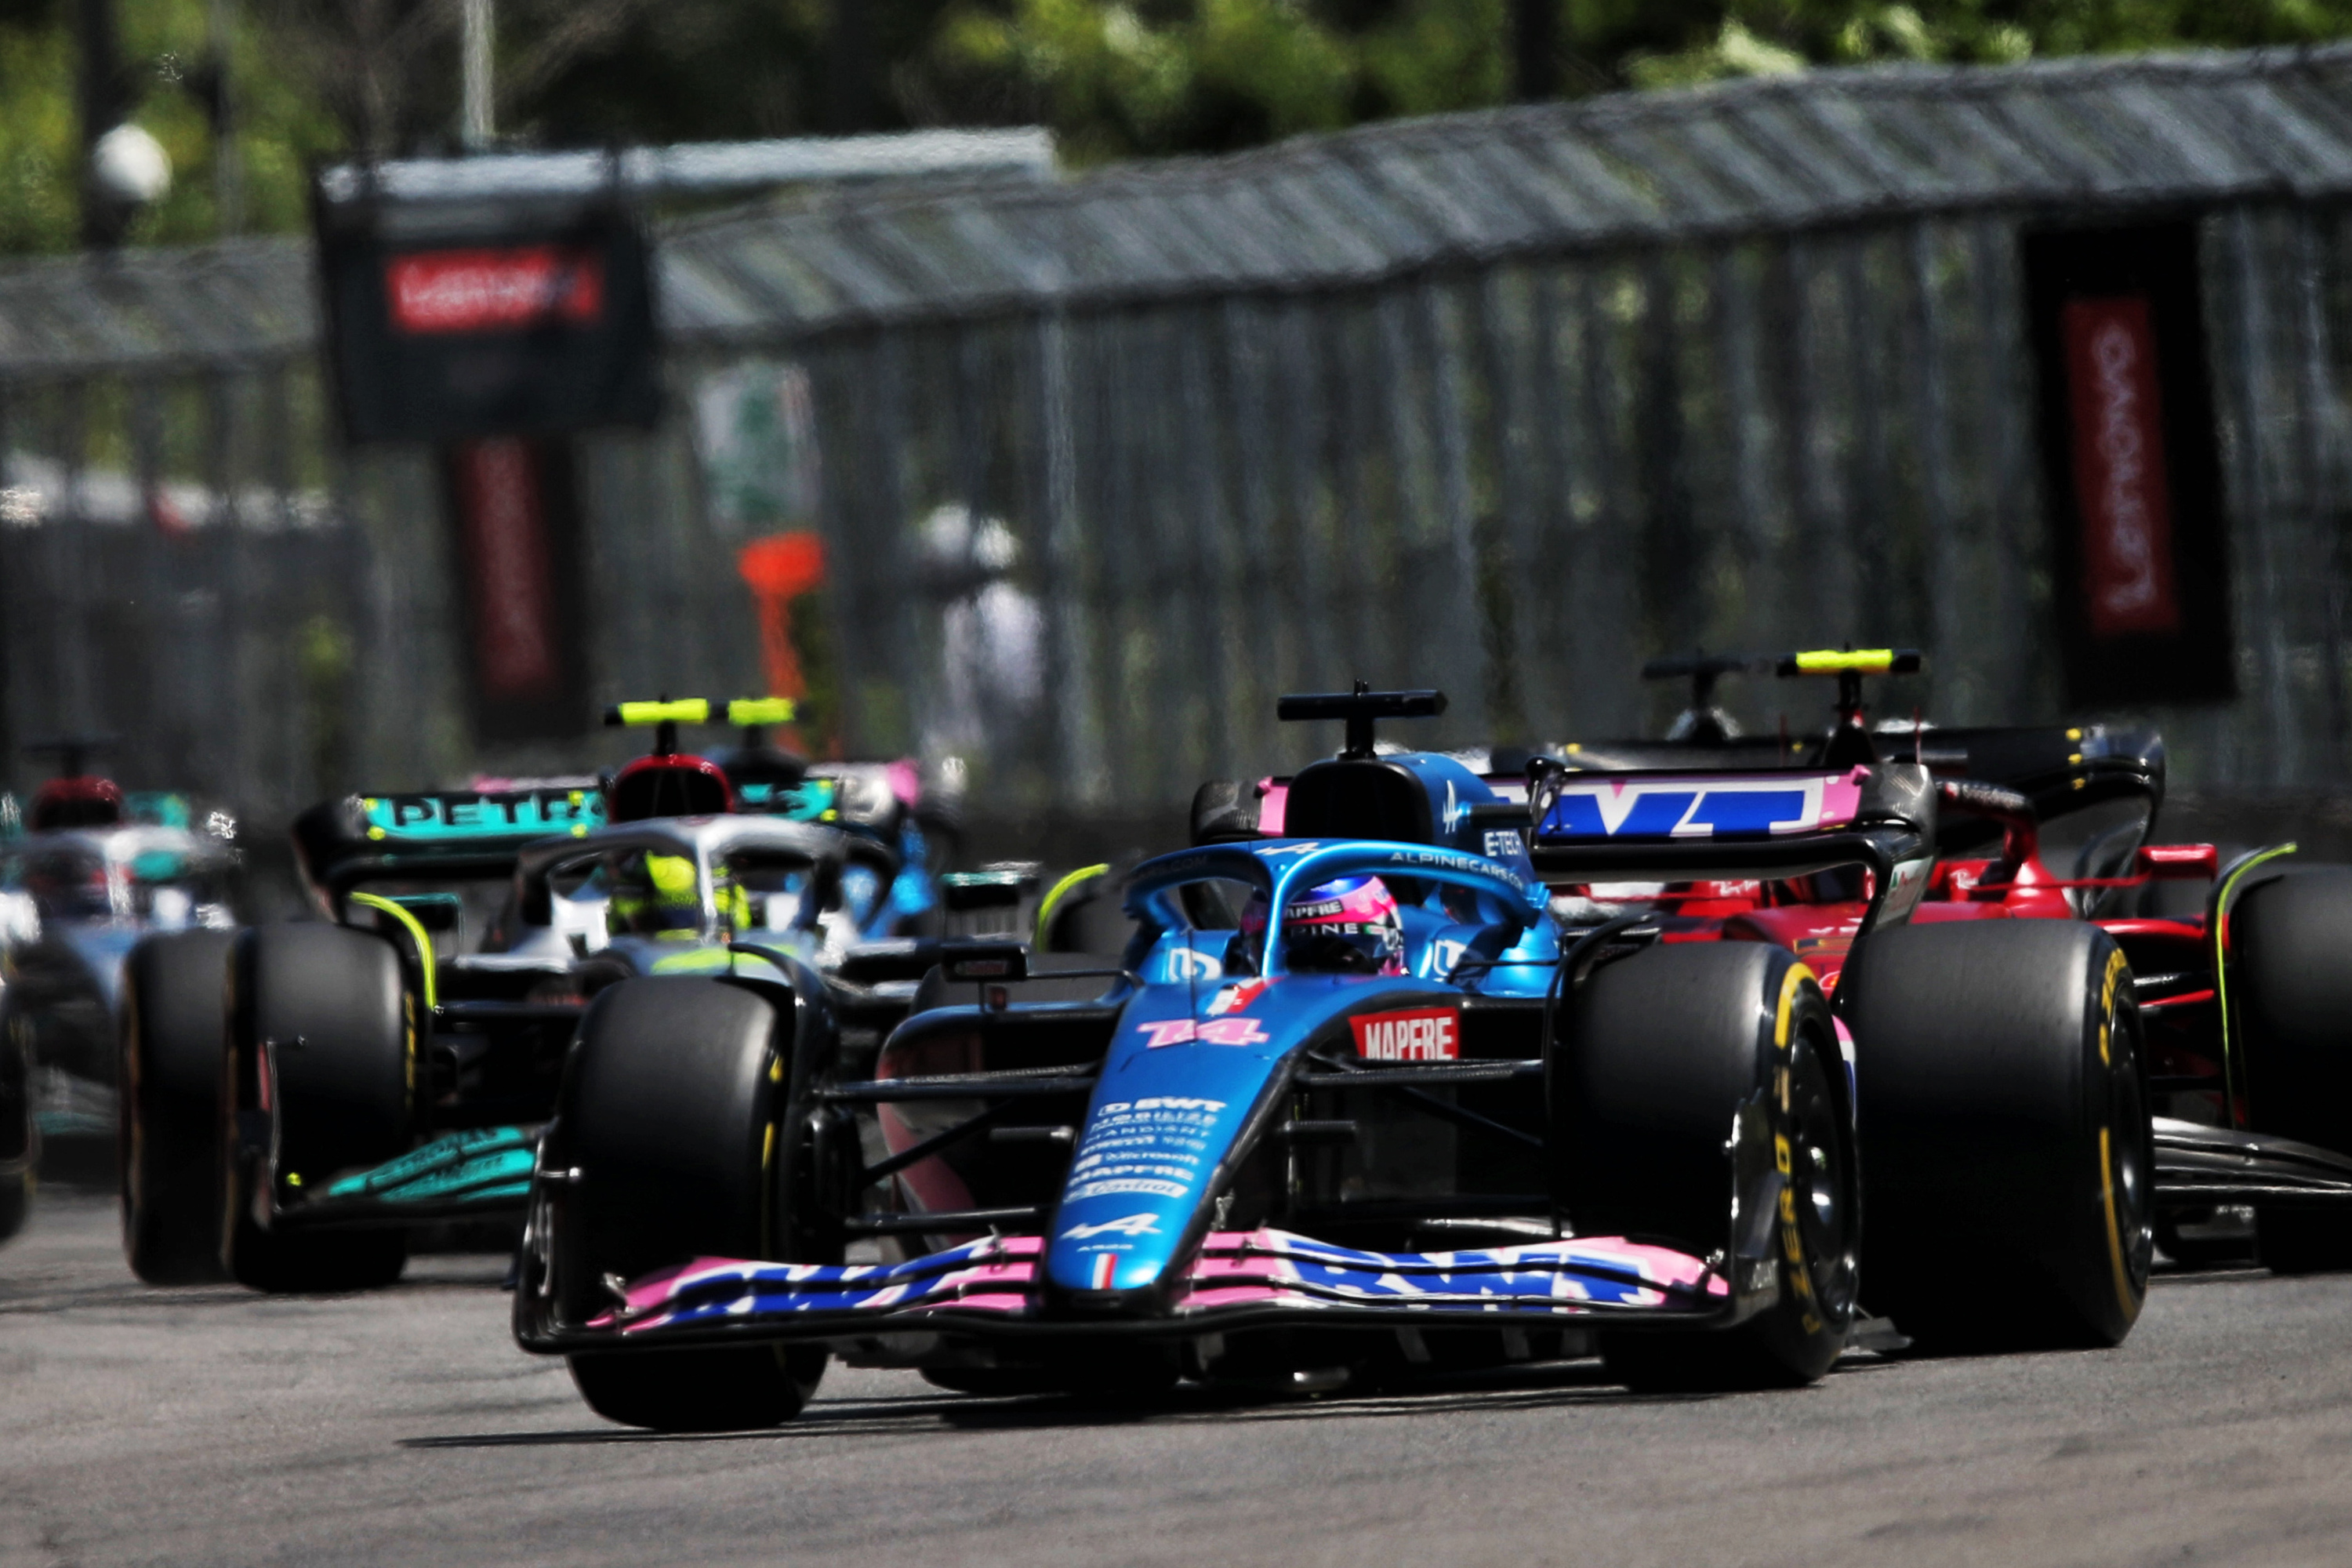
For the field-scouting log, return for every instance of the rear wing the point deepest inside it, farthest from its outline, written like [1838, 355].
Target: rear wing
[2060, 768]
[459, 832]
[1683, 827]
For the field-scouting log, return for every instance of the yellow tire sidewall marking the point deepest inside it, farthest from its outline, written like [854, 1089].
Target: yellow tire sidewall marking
[1792, 1241]
[2125, 1296]
[1792, 980]
[2107, 1002]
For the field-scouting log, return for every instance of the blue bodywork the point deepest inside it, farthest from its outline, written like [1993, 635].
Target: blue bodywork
[1211, 1037]
[1183, 1078]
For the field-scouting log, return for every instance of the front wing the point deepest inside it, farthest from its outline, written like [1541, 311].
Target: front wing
[2196, 1165]
[482, 1174]
[1239, 1279]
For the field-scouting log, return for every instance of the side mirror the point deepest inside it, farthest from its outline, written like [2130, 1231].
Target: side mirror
[984, 961]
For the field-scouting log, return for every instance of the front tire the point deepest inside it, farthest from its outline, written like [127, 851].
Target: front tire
[2291, 991]
[320, 1017]
[671, 1113]
[2005, 1128]
[724, 1390]
[1667, 1047]
[168, 1085]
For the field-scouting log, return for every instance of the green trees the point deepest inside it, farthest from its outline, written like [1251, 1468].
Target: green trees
[1115, 79]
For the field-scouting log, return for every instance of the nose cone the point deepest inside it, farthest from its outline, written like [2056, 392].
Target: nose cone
[1140, 1172]
[103, 953]
[1181, 1083]
[1165, 1116]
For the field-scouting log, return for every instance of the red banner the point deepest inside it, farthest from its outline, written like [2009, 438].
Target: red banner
[2119, 466]
[503, 523]
[491, 291]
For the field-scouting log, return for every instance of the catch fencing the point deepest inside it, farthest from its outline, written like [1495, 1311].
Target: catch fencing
[1501, 403]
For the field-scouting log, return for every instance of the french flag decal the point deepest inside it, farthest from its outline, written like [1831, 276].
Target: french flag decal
[1105, 1263]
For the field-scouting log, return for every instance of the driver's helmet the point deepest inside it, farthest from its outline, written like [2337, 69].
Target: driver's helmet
[1351, 926]
[734, 903]
[656, 895]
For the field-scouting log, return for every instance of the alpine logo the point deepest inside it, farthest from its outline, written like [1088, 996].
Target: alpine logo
[1416, 1035]
[1209, 1032]
[1133, 1225]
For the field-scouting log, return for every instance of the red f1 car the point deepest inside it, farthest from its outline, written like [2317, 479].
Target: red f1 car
[2238, 1009]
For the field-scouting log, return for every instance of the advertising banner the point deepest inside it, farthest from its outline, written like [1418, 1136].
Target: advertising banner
[2138, 540]
[530, 327]
[514, 516]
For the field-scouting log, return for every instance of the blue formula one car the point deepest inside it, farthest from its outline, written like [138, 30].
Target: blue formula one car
[1353, 1102]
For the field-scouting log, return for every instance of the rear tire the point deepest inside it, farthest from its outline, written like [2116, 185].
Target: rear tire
[168, 1084]
[2005, 1134]
[323, 1011]
[20, 1139]
[15, 1201]
[670, 1113]
[1224, 810]
[2291, 989]
[1666, 1047]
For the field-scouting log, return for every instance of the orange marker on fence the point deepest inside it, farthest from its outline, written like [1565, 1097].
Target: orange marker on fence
[778, 569]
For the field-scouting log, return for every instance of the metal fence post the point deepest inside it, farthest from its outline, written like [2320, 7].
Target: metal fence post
[1078, 738]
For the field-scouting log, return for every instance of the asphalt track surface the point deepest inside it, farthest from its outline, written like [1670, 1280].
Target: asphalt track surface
[210, 1425]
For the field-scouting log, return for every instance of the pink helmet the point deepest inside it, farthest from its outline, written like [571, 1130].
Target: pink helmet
[1348, 926]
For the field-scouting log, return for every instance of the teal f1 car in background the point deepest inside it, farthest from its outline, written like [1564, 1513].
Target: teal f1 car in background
[299, 1097]
[87, 870]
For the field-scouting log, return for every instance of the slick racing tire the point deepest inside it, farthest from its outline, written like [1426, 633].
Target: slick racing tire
[2007, 1158]
[168, 1084]
[322, 1044]
[20, 1139]
[669, 1114]
[16, 1199]
[1662, 1051]
[1110, 1373]
[2291, 990]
